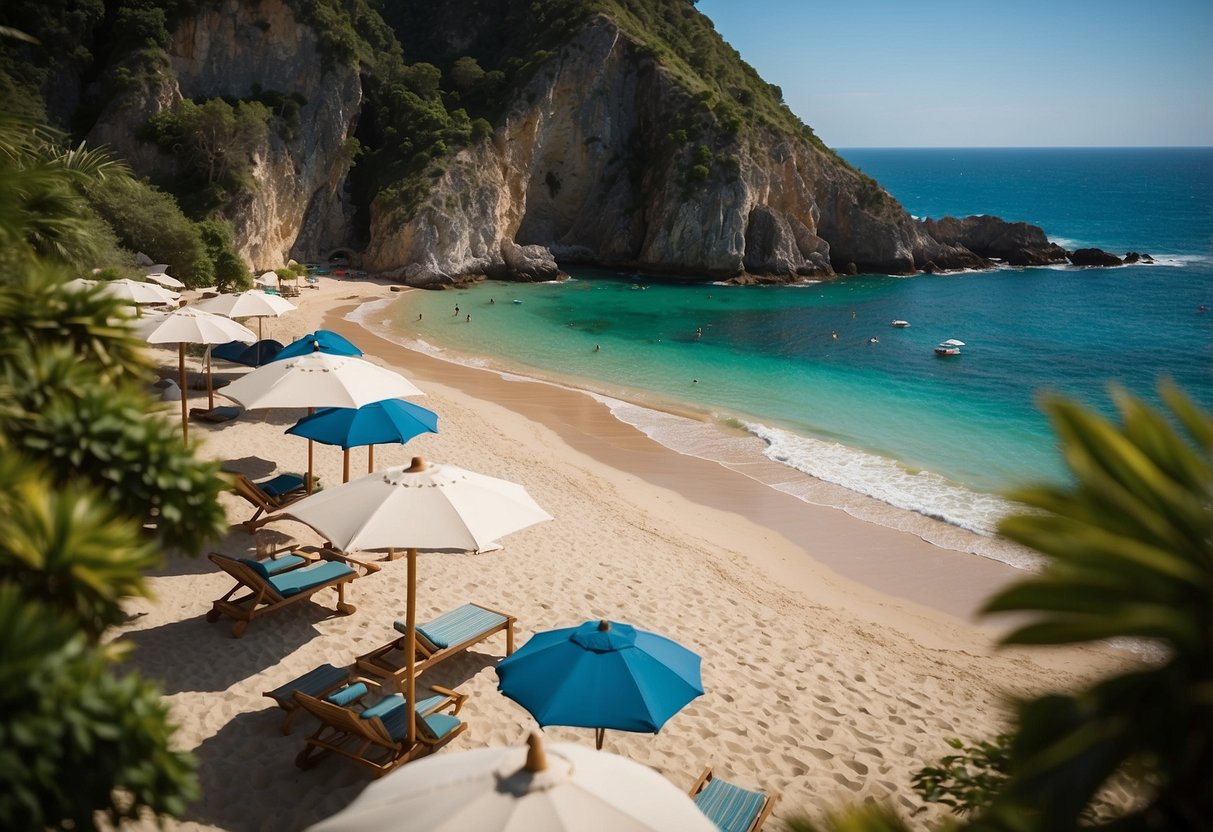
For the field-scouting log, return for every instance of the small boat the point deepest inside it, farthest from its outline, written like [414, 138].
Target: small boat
[517, 301]
[900, 323]
[947, 349]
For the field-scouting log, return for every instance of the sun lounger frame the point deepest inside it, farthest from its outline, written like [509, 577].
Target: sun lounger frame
[265, 503]
[768, 804]
[263, 598]
[379, 663]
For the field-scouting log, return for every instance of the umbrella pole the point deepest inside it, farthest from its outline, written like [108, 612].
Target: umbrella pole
[599, 736]
[185, 423]
[410, 648]
[310, 484]
[210, 387]
[345, 466]
[370, 459]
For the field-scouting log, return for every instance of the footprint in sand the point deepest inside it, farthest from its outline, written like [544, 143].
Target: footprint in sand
[820, 753]
[855, 766]
[848, 782]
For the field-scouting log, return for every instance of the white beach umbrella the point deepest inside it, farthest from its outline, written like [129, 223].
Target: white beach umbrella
[79, 284]
[267, 279]
[250, 304]
[192, 326]
[135, 291]
[319, 380]
[419, 507]
[567, 787]
[163, 279]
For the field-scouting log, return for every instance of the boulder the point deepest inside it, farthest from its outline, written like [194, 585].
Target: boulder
[1014, 243]
[1094, 257]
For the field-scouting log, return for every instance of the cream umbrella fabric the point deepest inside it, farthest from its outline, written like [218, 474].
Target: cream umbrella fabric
[420, 507]
[158, 275]
[135, 291]
[251, 304]
[191, 326]
[522, 789]
[319, 380]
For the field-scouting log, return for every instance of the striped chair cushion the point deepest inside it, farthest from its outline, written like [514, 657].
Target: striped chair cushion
[730, 807]
[457, 626]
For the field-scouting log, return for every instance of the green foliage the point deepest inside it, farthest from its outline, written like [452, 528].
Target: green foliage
[231, 275]
[966, 781]
[867, 819]
[147, 219]
[1130, 550]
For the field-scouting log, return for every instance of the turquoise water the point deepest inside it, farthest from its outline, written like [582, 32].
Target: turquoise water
[938, 436]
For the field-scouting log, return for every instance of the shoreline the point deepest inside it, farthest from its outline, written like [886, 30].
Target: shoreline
[892, 561]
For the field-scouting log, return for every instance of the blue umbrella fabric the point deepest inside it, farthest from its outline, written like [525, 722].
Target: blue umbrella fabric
[255, 355]
[601, 675]
[328, 341]
[391, 420]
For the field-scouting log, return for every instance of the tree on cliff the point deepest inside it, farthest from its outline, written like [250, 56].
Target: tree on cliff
[1130, 556]
[92, 487]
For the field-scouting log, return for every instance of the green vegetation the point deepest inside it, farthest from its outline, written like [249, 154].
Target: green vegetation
[1130, 556]
[92, 489]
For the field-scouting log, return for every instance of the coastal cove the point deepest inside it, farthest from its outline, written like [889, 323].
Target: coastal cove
[903, 436]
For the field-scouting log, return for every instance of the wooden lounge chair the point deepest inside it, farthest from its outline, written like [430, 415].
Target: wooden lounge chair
[730, 807]
[376, 738]
[269, 590]
[448, 634]
[319, 682]
[269, 495]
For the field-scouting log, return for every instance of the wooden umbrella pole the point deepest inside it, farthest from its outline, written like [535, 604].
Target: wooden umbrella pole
[310, 484]
[410, 648]
[370, 459]
[210, 388]
[345, 465]
[599, 736]
[185, 423]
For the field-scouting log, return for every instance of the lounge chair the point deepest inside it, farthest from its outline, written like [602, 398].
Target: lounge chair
[439, 639]
[730, 807]
[218, 415]
[271, 590]
[319, 682]
[269, 495]
[377, 737]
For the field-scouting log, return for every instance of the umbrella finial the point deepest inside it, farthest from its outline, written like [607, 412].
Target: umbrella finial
[418, 465]
[316, 345]
[604, 625]
[536, 759]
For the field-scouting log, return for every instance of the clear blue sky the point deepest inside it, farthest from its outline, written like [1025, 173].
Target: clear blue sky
[977, 73]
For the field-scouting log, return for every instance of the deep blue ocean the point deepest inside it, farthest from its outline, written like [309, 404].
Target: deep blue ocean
[922, 435]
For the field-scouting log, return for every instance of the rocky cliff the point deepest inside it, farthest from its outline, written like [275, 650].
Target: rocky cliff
[234, 49]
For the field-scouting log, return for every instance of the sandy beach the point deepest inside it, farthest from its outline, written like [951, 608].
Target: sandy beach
[837, 655]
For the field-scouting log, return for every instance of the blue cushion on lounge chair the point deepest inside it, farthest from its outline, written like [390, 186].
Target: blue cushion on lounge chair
[281, 484]
[730, 807]
[298, 580]
[257, 566]
[272, 566]
[397, 699]
[437, 726]
[457, 626]
[348, 694]
[313, 682]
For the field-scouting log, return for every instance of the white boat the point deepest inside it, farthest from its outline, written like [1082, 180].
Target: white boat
[900, 323]
[949, 347]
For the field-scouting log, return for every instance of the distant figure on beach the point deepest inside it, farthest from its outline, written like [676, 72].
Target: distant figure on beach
[419, 316]
[852, 314]
[456, 310]
[698, 332]
[491, 301]
[469, 320]
[597, 348]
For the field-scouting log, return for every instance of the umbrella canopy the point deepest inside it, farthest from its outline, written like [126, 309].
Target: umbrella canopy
[952, 342]
[419, 507]
[601, 675]
[322, 340]
[190, 326]
[255, 355]
[157, 274]
[565, 787]
[251, 304]
[135, 291]
[390, 421]
[318, 380]
[267, 279]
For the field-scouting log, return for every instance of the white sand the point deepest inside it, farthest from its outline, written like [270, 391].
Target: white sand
[818, 687]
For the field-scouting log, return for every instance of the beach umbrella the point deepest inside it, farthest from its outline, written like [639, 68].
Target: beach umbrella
[251, 304]
[136, 292]
[157, 274]
[560, 788]
[191, 326]
[318, 380]
[420, 507]
[267, 279]
[248, 355]
[322, 340]
[377, 423]
[601, 675]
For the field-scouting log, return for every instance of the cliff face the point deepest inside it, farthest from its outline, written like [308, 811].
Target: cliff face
[582, 167]
[238, 49]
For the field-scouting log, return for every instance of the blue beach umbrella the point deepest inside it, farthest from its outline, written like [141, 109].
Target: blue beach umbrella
[262, 352]
[391, 420]
[601, 675]
[328, 341]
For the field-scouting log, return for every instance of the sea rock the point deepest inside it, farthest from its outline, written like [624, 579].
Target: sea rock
[1094, 257]
[1014, 243]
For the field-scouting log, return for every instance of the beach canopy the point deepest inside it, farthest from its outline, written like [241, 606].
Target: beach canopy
[254, 355]
[268, 280]
[420, 507]
[250, 304]
[192, 326]
[136, 291]
[601, 675]
[560, 788]
[157, 275]
[322, 340]
[390, 421]
[952, 342]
